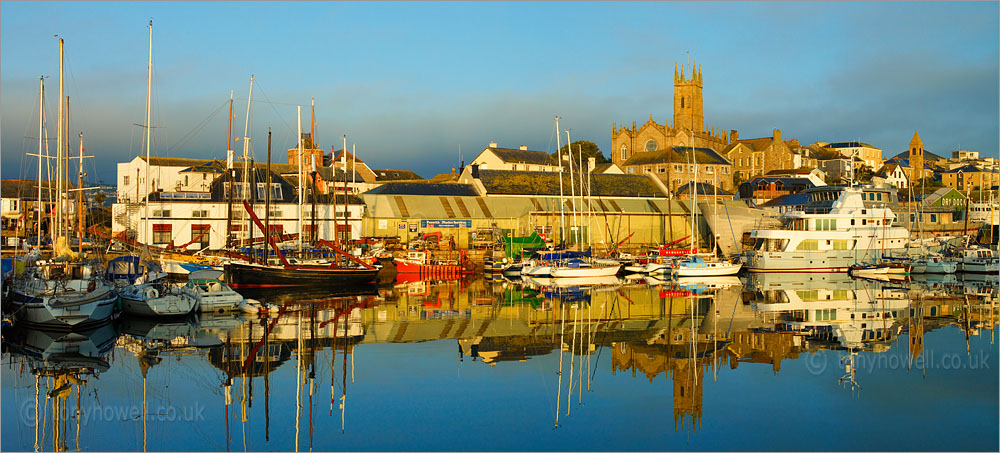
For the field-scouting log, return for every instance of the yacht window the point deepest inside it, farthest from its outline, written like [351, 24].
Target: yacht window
[808, 244]
[852, 221]
[880, 196]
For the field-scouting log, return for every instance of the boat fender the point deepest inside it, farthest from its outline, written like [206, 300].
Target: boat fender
[152, 293]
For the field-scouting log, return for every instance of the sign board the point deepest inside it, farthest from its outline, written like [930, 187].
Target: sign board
[446, 224]
[383, 224]
[413, 228]
[402, 226]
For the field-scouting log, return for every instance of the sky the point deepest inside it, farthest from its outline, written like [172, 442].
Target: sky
[414, 86]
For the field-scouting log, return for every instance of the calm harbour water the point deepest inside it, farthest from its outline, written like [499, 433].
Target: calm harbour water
[772, 362]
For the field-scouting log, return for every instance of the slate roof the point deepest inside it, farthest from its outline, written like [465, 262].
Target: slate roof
[702, 189]
[966, 169]
[756, 144]
[175, 161]
[792, 199]
[839, 145]
[501, 182]
[212, 166]
[678, 155]
[395, 175]
[517, 156]
[418, 188]
[790, 171]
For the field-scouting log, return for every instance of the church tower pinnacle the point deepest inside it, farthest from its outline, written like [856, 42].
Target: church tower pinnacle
[688, 113]
[916, 158]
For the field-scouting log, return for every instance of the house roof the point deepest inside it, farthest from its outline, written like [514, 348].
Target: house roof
[839, 145]
[175, 161]
[547, 183]
[792, 199]
[395, 175]
[756, 144]
[350, 155]
[931, 198]
[26, 189]
[791, 171]
[423, 188]
[702, 189]
[601, 168]
[886, 169]
[966, 169]
[212, 166]
[677, 155]
[518, 156]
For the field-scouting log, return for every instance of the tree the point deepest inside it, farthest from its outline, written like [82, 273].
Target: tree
[589, 149]
[99, 198]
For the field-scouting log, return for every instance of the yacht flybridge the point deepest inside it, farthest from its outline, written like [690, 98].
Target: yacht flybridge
[838, 227]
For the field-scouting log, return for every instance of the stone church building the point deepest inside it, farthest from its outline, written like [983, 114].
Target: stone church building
[688, 127]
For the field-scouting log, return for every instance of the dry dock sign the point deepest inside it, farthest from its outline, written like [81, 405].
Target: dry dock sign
[445, 224]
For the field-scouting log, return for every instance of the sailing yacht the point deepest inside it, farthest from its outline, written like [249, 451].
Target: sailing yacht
[65, 292]
[837, 228]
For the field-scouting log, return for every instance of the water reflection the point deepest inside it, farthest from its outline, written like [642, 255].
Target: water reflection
[582, 336]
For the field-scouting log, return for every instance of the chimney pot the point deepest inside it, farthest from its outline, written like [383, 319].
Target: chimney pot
[493, 144]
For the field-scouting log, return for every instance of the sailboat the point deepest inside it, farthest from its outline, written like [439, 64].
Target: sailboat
[581, 267]
[63, 292]
[148, 294]
[697, 266]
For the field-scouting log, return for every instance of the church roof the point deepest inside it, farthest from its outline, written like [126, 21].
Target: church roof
[523, 156]
[927, 155]
[502, 182]
[677, 155]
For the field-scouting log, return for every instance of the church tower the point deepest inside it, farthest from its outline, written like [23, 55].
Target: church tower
[916, 159]
[688, 114]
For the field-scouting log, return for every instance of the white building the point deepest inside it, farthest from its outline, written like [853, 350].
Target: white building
[495, 158]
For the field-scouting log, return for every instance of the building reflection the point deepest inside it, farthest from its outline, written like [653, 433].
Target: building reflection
[683, 330]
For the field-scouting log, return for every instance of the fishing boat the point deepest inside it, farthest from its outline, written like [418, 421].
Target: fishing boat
[979, 260]
[420, 262]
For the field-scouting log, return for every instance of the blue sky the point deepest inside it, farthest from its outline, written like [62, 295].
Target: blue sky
[410, 83]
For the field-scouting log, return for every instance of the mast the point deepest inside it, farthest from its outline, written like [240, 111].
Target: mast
[59, 152]
[562, 210]
[149, 130]
[579, 155]
[301, 182]
[38, 204]
[572, 196]
[229, 170]
[81, 218]
[343, 162]
[246, 150]
[312, 131]
[267, 202]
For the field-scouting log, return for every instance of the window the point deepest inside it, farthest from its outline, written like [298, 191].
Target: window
[678, 168]
[199, 214]
[631, 170]
[161, 233]
[275, 213]
[624, 152]
[808, 244]
[709, 169]
[651, 145]
[933, 218]
[864, 221]
[185, 180]
[661, 169]
[200, 234]
[161, 213]
[725, 170]
[125, 181]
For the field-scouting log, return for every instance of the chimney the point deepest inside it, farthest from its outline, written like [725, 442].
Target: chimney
[777, 135]
[475, 170]
[733, 136]
[493, 145]
[461, 167]
[524, 147]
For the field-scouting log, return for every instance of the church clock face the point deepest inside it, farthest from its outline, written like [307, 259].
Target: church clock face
[651, 145]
